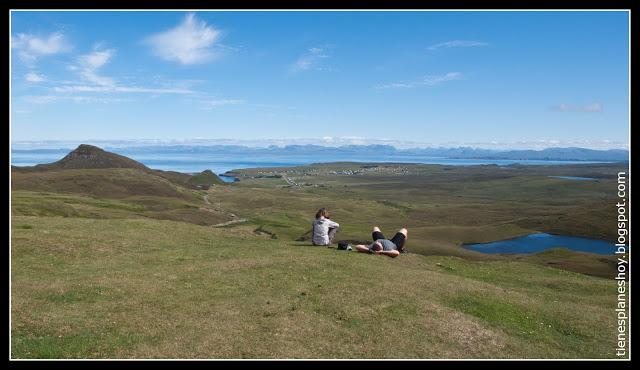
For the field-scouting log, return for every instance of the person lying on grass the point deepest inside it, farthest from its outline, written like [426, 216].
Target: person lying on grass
[381, 245]
[323, 229]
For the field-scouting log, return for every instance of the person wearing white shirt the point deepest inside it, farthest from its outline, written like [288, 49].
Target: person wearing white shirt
[323, 229]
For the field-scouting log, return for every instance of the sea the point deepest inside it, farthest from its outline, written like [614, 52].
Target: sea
[188, 161]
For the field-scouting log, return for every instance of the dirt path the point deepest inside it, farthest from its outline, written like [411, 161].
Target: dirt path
[289, 180]
[235, 220]
[230, 222]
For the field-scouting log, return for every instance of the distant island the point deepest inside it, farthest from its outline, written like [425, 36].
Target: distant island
[551, 154]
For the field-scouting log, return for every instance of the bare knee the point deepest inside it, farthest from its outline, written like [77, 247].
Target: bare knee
[403, 231]
[376, 228]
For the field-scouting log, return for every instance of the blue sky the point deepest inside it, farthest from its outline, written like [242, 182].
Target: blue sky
[438, 78]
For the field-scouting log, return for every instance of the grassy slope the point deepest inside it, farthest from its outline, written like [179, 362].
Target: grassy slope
[443, 207]
[84, 288]
[109, 193]
[205, 178]
[94, 276]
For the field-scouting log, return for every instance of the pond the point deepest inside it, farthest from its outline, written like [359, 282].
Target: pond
[228, 178]
[573, 178]
[538, 242]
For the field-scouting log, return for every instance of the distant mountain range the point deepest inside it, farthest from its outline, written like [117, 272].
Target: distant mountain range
[556, 154]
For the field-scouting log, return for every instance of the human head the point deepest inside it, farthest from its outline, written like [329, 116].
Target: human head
[376, 246]
[322, 212]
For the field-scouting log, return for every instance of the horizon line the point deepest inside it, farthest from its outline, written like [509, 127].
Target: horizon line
[326, 141]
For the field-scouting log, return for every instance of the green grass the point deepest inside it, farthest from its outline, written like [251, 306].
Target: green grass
[128, 289]
[443, 207]
[31, 203]
[136, 271]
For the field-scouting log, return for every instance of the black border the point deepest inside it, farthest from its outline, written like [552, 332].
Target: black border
[326, 4]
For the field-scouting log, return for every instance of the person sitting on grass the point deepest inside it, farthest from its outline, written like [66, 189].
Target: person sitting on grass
[323, 229]
[381, 245]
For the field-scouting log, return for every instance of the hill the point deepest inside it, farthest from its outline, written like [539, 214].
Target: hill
[91, 182]
[95, 288]
[562, 154]
[205, 179]
[89, 157]
[101, 269]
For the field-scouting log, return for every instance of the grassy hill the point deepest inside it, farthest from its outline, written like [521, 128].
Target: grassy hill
[205, 178]
[106, 183]
[87, 157]
[123, 263]
[443, 207]
[90, 288]
[91, 182]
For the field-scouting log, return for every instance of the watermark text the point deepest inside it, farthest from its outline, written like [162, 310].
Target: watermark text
[622, 312]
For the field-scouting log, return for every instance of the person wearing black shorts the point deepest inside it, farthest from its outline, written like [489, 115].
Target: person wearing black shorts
[381, 245]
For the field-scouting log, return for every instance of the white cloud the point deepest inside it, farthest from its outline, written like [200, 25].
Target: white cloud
[34, 77]
[96, 59]
[188, 43]
[425, 81]
[457, 44]
[45, 99]
[88, 65]
[210, 104]
[31, 47]
[311, 59]
[589, 108]
[121, 89]
[541, 144]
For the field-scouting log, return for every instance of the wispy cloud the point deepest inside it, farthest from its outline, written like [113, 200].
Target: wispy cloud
[93, 81]
[310, 60]
[589, 108]
[191, 42]
[457, 44]
[31, 47]
[424, 81]
[120, 89]
[34, 77]
[89, 64]
[210, 104]
[46, 99]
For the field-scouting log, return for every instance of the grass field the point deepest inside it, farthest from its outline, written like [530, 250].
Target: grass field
[90, 288]
[443, 207]
[128, 274]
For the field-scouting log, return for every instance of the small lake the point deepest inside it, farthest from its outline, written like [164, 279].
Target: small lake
[574, 178]
[538, 242]
[228, 178]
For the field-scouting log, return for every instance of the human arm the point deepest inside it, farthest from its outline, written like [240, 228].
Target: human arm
[392, 253]
[332, 224]
[362, 248]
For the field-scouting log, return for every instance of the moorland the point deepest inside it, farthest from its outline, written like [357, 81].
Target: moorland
[111, 259]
